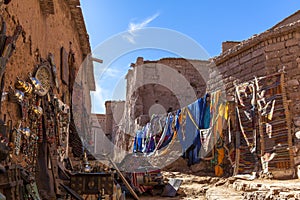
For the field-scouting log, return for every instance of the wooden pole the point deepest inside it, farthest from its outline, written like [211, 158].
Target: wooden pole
[288, 120]
[124, 179]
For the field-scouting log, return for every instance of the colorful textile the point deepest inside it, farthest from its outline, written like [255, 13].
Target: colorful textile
[218, 116]
[194, 123]
[138, 141]
[206, 139]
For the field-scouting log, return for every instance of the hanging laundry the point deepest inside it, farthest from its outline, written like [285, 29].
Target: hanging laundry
[218, 115]
[138, 141]
[166, 133]
[194, 123]
[207, 142]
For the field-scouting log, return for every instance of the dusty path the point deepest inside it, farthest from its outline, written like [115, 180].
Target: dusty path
[214, 188]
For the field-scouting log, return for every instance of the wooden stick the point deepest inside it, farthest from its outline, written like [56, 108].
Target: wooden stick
[124, 179]
[72, 192]
[288, 120]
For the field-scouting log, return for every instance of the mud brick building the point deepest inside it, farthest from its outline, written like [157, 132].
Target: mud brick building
[262, 55]
[154, 87]
[158, 87]
[266, 54]
[55, 27]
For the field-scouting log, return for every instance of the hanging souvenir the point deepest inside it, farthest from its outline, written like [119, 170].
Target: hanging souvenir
[24, 86]
[43, 75]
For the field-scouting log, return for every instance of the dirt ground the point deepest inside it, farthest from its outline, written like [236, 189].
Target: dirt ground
[214, 188]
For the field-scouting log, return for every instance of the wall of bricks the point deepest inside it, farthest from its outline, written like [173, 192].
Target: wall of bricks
[163, 86]
[269, 52]
[42, 33]
[158, 87]
[263, 54]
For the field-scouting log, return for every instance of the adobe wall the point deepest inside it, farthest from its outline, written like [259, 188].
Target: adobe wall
[42, 33]
[163, 86]
[261, 55]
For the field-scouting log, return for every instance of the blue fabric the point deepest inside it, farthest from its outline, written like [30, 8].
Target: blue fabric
[150, 145]
[197, 110]
[138, 141]
[135, 144]
[169, 132]
[177, 124]
[206, 119]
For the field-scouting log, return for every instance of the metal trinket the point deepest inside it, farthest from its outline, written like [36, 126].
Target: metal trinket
[37, 110]
[24, 86]
[16, 95]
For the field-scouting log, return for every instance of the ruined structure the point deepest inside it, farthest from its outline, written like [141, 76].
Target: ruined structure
[272, 51]
[271, 57]
[154, 87]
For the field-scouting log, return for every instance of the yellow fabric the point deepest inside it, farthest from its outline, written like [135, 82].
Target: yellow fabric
[182, 121]
[218, 168]
[226, 115]
[220, 112]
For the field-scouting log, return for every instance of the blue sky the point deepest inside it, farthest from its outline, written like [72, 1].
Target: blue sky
[207, 23]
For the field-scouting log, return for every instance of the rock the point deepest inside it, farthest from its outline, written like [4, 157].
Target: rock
[198, 167]
[221, 182]
[292, 83]
[215, 193]
[296, 121]
[180, 165]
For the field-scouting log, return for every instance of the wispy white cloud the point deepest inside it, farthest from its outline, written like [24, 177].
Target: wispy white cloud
[107, 73]
[98, 99]
[134, 27]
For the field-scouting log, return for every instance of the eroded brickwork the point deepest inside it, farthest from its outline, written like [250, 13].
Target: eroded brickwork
[261, 55]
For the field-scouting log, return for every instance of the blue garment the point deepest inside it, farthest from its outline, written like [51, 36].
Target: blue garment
[146, 135]
[197, 111]
[138, 141]
[169, 132]
[177, 124]
[206, 119]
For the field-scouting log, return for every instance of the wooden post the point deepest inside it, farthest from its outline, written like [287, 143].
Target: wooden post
[288, 119]
[124, 179]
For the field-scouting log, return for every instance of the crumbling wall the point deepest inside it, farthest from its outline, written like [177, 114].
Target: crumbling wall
[163, 86]
[158, 87]
[267, 53]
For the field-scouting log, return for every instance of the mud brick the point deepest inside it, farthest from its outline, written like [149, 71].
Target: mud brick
[295, 50]
[288, 58]
[273, 54]
[275, 46]
[292, 42]
[258, 52]
[246, 58]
